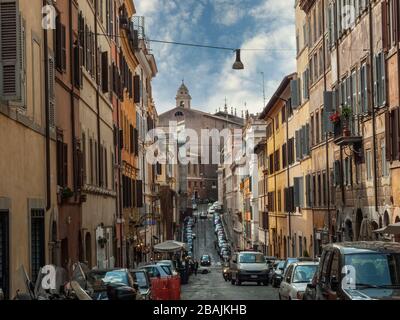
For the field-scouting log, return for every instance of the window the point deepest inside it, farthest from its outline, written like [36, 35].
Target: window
[60, 44]
[277, 122]
[317, 129]
[312, 130]
[283, 114]
[368, 163]
[277, 160]
[364, 88]
[284, 156]
[37, 242]
[62, 163]
[279, 201]
[380, 80]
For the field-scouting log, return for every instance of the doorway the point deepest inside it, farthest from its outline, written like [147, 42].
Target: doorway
[359, 219]
[88, 249]
[4, 253]
[348, 230]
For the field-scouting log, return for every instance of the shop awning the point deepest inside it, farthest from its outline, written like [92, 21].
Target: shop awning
[390, 229]
[170, 246]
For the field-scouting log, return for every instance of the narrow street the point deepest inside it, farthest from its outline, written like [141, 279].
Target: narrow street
[212, 286]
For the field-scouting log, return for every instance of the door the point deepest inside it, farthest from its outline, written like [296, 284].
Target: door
[333, 278]
[284, 289]
[37, 242]
[4, 253]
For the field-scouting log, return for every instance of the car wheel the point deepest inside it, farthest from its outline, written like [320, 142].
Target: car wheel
[280, 298]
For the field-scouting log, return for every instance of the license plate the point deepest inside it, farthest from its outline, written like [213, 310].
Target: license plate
[254, 276]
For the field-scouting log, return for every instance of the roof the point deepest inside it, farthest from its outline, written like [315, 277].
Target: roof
[366, 247]
[275, 97]
[205, 114]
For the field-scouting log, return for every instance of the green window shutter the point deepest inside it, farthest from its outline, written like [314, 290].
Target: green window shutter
[294, 89]
[10, 51]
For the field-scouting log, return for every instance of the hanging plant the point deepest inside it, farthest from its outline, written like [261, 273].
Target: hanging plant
[335, 117]
[67, 193]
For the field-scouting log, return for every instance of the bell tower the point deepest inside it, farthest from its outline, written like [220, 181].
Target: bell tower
[183, 98]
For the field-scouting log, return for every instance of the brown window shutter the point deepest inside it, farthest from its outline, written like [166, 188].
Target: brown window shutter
[65, 164]
[385, 26]
[63, 48]
[139, 194]
[104, 71]
[132, 144]
[133, 182]
[136, 137]
[136, 89]
[396, 133]
[388, 135]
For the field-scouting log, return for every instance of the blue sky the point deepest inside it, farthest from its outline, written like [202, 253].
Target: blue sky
[253, 24]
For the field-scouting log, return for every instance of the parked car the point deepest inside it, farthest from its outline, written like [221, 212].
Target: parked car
[276, 274]
[295, 280]
[142, 278]
[115, 284]
[358, 271]
[158, 270]
[171, 265]
[248, 266]
[205, 260]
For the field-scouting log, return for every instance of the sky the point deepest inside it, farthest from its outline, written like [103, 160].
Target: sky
[265, 25]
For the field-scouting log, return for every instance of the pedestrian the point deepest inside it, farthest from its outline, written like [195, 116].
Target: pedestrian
[196, 267]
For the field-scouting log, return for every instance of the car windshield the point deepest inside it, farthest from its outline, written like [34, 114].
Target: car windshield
[251, 258]
[116, 277]
[279, 265]
[304, 274]
[141, 279]
[375, 269]
[205, 257]
[167, 269]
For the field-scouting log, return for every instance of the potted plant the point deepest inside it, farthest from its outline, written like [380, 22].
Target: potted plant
[66, 193]
[346, 114]
[335, 117]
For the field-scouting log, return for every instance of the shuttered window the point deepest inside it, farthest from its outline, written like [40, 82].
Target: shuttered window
[136, 89]
[139, 194]
[37, 242]
[104, 71]
[12, 53]
[62, 164]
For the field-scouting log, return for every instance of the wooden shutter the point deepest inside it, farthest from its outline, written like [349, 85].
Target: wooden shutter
[385, 25]
[328, 109]
[121, 139]
[388, 136]
[10, 51]
[63, 48]
[296, 190]
[376, 80]
[136, 89]
[65, 164]
[136, 136]
[383, 78]
[294, 89]
[132, 138]
[51, 87]
[104, 71]
[139, 194]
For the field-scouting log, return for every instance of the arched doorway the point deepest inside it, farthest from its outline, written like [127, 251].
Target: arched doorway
[88, 249]
[359, 219]
[386, 220]
[397, 236]
[348, 230]
[374, 225]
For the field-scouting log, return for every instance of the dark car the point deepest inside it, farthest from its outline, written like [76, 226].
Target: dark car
[277, 273]
[205, 260]
[142, 278]
[358, 271]
[115, 284]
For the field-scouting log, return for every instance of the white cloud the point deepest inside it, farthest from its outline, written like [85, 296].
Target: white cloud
[228, 12]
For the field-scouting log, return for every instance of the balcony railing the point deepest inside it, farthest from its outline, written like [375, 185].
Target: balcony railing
[346, 131]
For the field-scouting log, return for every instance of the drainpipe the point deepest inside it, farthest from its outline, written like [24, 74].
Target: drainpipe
[97, 94]
[47, 121]
[328, 198]
[73, 140]
[371, 53]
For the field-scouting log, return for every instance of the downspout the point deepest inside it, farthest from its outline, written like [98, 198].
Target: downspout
[97, 94]
[371, 49]
[328, 198]
[73, 140]
[47, 121]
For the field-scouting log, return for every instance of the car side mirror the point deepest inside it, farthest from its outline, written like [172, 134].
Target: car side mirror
[334, 283]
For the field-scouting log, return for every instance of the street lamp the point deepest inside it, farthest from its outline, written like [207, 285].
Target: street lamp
[238, 65]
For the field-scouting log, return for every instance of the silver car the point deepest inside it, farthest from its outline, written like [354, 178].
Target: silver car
[295, 280]
[248, 266]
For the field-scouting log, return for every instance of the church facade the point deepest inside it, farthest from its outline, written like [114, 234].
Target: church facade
[202, 176]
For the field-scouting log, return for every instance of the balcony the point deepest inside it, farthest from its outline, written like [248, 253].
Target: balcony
[346, 131]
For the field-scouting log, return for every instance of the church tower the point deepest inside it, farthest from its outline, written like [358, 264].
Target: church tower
[183, 98]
